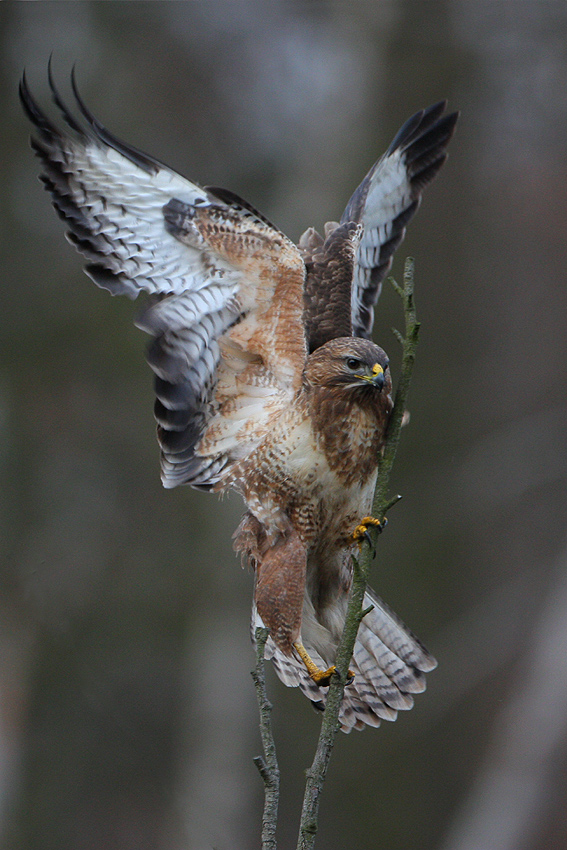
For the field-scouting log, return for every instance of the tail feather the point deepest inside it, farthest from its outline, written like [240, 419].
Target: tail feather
[355, 714]
[389, 664]
[382, 622]
[378, 681]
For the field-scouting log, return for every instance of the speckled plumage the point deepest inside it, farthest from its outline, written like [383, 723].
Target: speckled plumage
[265, 382]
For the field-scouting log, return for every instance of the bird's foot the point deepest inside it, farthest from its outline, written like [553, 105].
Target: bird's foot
[320, 677]
[361, 532]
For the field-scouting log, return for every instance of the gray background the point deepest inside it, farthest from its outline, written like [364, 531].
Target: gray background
[127, 713]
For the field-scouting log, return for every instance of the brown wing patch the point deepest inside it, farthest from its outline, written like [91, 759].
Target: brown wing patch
[330, 268]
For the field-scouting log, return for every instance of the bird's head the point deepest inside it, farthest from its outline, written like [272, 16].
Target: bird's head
[351, 364]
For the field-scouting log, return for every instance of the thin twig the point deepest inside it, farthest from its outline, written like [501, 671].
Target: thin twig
[361, 566]
[268, 764]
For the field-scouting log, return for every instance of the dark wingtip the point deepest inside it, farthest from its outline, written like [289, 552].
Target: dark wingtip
[421, 122]
[59, 102]
[406, 131]
[28, 103]
[139, 158]
[24, 91]
[452, 119]
[37, 117]
[87, 114]
[427, 152]
[432, 113]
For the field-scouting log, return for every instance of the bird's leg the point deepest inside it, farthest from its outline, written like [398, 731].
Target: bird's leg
[280, 585]
[361, 533]
[320, 677]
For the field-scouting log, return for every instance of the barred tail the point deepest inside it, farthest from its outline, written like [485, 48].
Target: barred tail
[389, 664]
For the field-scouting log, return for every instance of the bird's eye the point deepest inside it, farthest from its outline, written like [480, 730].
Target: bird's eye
[353, 363]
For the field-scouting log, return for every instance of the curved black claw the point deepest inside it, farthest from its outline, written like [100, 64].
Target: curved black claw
[361, 531]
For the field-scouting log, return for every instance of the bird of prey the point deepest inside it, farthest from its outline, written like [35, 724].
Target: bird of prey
[266, 379]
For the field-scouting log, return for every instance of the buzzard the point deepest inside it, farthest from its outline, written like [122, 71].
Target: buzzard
[266, 380]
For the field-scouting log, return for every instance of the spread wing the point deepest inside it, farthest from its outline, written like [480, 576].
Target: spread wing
[224, 288]
[371, 228]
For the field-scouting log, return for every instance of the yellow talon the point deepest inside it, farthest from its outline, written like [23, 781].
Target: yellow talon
[361, 530]
[320, 677]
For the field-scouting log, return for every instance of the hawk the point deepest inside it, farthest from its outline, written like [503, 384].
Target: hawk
[266, 379]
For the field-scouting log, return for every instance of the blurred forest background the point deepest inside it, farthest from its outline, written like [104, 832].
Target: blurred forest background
[127, 712]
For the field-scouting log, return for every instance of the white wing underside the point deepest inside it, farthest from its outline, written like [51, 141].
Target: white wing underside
[389, 196]
[200, 297]
[220, 354]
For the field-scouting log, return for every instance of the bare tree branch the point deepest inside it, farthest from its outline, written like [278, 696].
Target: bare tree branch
[267, 765]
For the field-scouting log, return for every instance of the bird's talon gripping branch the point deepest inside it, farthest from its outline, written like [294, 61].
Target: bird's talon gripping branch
[361, 531]
[320, 677]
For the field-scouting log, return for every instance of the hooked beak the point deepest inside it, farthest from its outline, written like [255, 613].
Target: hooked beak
[376, 378]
